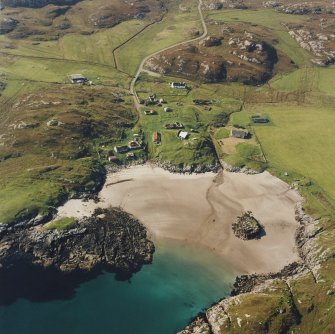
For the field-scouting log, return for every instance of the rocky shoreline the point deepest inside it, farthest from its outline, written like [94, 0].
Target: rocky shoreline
[182, 169]
[217, 318]
[189, 169]
[235, 169]
[110, 240]
[172, 168]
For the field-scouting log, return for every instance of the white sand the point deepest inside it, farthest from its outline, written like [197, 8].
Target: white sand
[201, 208]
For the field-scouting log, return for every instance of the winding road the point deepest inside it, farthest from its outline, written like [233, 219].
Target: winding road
[140, 68]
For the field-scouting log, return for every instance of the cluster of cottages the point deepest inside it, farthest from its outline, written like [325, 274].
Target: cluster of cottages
[244, 134]
[134, 144]
[173, 126]
[152, 100]
[156, 136]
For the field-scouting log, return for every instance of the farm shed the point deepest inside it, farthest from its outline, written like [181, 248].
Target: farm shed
[182, 134]
[239, 134]
[156, 138]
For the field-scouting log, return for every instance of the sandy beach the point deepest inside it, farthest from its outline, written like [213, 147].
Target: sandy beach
[200, 209]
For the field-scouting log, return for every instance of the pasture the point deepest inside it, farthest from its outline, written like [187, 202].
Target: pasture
[300, 140]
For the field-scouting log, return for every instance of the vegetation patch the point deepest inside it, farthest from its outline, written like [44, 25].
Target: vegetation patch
[221, 133]
[60, 224]
[240, 119]
[247, 155]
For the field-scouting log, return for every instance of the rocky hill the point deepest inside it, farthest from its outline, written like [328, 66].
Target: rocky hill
[50, 19]
[230, 54]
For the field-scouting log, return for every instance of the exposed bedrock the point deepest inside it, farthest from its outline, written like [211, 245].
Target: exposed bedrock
[109, 240]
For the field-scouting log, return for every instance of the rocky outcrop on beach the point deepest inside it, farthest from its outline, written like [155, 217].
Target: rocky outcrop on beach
[110, 240]
[247, 227]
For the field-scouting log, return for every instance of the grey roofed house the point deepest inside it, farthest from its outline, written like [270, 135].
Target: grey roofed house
[239, 133]
[77, 78]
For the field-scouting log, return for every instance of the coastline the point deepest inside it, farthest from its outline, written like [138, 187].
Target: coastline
[200, 208]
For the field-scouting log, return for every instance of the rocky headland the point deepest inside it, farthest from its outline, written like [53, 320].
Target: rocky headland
[110, 240]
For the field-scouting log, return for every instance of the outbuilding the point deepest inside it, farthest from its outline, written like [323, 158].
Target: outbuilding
[239, 134]
[178, 85]
[259, 119]
[182, 134]
[156, 138]
[121, 149]
[78, 79]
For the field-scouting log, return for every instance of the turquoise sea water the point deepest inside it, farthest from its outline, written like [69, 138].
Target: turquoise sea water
[160, 299]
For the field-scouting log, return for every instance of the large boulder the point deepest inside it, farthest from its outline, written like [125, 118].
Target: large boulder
[247, 227]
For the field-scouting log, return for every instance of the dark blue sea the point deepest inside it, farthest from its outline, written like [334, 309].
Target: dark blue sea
[160, 299]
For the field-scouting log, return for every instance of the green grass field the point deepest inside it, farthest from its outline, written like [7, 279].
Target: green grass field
[240, 119]
[60, 224]
[317, 79]
[221, 133]
[57, 71]
[301, 140]
[178, 25]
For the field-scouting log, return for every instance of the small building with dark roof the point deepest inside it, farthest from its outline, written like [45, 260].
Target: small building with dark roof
[259, 119]
[178, 85]
[78, 79]
[121, 149]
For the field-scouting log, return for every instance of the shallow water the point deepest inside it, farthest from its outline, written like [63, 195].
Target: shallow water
[160, 299]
